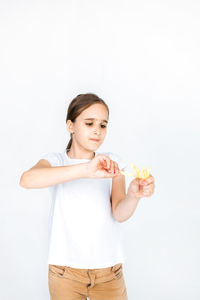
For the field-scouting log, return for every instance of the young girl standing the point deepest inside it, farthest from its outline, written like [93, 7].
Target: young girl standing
[89, 201]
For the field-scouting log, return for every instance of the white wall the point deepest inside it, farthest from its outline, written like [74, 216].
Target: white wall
[142, 58]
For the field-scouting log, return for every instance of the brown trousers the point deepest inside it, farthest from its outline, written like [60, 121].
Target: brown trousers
[67, 283]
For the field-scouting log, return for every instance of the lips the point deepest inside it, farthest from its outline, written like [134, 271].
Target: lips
[95, 140]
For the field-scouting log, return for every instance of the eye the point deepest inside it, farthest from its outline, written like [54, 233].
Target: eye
[102, 126]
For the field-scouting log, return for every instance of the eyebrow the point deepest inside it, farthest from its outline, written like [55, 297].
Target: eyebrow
[96, 119]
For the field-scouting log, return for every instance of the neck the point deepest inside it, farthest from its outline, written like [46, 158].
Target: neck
[74, 154]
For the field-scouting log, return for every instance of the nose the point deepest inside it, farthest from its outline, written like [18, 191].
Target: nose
[97, 130]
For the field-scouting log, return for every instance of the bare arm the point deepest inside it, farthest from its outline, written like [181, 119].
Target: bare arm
[125, 208]
[43, 174]
[125, 205]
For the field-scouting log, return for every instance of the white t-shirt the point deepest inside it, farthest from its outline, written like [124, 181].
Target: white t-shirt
[82, 230]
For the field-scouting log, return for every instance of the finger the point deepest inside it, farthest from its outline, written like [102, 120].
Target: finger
[110, 174]
[106, 160]
[148, 186]
[150, 179]
[146, 189]
[148, 192]
[116, 167]
[147, 181]
[112, 166]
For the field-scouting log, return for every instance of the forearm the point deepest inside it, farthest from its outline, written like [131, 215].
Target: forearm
[125, 208]
[44, 177]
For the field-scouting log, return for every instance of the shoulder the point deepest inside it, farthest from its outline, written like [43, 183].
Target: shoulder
[54, 158]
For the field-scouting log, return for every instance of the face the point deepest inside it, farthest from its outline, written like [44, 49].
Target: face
[90, 124]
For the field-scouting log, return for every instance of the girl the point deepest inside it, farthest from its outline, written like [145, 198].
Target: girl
[88, 203]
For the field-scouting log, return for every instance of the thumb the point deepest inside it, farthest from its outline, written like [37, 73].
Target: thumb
[136, 181]
[134, 185]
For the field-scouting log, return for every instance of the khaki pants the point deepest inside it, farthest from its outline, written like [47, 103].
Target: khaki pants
[66, 283]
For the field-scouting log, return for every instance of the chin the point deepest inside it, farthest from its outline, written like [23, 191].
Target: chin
[93, 148]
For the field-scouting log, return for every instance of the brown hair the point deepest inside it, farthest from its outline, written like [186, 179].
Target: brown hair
[79, 104]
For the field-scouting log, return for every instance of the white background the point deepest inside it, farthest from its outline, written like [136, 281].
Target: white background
[142, 58]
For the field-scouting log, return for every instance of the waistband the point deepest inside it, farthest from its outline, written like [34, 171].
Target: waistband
[88, 276]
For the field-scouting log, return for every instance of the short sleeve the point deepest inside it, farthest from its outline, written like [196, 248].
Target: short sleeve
[119, 160]
[53, 159]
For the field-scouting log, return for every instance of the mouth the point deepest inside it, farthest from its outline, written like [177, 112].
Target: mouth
[94, 140]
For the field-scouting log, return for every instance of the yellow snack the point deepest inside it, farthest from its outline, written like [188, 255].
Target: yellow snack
[143, 173]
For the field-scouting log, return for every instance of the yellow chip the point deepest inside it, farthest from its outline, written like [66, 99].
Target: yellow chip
[143, 173]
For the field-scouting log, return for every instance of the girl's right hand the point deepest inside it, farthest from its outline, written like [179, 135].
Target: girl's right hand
[101, 166]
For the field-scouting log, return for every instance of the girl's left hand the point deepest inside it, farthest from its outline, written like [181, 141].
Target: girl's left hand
[141, 187]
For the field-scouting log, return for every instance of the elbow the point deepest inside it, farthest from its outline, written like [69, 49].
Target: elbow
[23, 181]
[116, 217]
[119, 220]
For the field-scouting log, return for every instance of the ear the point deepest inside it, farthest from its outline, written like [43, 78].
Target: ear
[70, 126]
